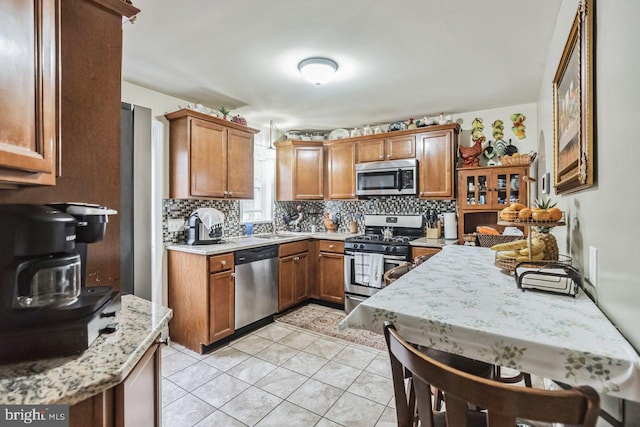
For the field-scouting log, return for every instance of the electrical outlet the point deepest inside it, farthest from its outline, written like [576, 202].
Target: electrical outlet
[175, 225]
[593, 265]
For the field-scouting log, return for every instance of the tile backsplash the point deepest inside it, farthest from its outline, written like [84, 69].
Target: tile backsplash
[313, 213]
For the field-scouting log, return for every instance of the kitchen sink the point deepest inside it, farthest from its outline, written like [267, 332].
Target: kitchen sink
[271, 236]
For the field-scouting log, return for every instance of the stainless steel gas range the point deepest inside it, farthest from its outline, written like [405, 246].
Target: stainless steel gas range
[384, 245]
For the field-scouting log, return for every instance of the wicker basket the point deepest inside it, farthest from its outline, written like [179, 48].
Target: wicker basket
[488, 240]
[510, 263]
[523, 159]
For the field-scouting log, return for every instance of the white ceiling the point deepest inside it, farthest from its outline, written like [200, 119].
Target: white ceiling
[398, 59]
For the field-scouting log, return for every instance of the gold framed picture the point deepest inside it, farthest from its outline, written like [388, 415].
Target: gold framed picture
[573, 106]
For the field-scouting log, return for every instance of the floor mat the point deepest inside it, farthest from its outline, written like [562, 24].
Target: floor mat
[324, 320]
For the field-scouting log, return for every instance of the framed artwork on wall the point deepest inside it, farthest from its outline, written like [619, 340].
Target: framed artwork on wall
[573, 106]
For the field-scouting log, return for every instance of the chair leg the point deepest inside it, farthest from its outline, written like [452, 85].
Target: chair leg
[438, 398]
[512, 380]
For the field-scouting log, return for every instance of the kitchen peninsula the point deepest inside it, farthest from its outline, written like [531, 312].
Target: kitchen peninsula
[104, 383]
[478, 311]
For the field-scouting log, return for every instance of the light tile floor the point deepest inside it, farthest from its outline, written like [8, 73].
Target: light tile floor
[279, 375]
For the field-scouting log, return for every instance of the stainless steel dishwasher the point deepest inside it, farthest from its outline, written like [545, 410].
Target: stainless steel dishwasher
[256, 284]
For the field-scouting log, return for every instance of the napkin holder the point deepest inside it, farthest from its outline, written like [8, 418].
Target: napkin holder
[551, 277]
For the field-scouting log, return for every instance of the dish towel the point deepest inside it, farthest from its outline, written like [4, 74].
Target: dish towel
[361, 268]
[376, 270]
[210, 217]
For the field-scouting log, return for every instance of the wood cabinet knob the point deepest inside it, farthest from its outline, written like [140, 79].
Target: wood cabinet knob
[296, 259]
[233, 276]
[223, 263]
[225, 192]
[381, 157]
[230, 193]
[319, 255]
[330, 246]
[388, 156]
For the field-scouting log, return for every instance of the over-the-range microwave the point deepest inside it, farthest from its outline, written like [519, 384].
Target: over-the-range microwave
[387, 178]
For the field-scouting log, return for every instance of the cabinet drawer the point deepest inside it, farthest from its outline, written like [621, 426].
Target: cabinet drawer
[331, 246]
[287, 249]
[219, 263]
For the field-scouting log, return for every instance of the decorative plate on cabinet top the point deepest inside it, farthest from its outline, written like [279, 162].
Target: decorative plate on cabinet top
[338, 134]
[398, 126]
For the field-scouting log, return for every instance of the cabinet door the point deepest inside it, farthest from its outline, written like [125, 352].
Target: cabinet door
[138, 396]
[401, 147]
[300, 277]
[208, 159]
[286, 277]
[308, 173]
[29, 125]
[331, 277]
[475, 189]
[506, 188]
[240, 165]
[417, 251]
[341, 173]
[436, 165]
[371, 150]
[221, 305]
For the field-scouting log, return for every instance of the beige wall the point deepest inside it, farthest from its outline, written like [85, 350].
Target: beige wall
[603, 216]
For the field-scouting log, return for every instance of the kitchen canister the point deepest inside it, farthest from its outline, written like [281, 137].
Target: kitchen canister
[450, 225]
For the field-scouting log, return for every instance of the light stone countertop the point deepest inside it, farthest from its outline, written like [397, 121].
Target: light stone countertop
[432, 243]
[106, 363]
[247, 242]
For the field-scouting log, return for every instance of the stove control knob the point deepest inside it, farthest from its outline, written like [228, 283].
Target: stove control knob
[394, 249]
[362, 246]
[386, 248]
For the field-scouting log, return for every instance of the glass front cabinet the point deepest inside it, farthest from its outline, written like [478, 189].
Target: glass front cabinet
[491, 187]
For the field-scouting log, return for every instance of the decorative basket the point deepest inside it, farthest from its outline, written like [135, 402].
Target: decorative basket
[488, 240]
[510, 263]
[470, 239]
[523, 159]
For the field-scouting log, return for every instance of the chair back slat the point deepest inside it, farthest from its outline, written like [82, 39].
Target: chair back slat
[578, 406]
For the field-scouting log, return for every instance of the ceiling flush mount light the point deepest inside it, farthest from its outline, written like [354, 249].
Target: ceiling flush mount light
[318, 70]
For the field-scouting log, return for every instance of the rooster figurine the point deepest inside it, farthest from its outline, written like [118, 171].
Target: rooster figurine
[294, 220]
[470, 154]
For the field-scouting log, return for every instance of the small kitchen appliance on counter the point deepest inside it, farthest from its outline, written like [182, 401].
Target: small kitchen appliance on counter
[384, 245]
[45, 311]
[204, 227]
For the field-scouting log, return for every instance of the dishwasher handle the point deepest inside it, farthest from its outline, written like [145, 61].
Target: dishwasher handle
[245, 256]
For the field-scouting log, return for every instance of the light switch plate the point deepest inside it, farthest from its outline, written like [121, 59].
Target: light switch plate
[175, 225]
[593, 266]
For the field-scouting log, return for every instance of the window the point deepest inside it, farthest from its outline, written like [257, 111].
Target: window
[260, 209]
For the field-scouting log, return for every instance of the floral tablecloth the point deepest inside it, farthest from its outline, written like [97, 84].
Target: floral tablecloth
[459, 302]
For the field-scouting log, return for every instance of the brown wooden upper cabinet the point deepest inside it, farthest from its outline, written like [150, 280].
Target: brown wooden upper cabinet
[299, 170]
[29, 78]
[437, 160]
[341, 172]
[209, 157]
[388, 148]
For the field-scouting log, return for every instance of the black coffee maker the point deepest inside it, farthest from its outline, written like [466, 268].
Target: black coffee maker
[45, 309]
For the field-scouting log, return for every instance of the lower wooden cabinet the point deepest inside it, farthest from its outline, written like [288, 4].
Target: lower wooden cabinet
[293, 274]
[202, 297]
[134, 402]
[331, 271]
[221, 305]
[417, 251]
